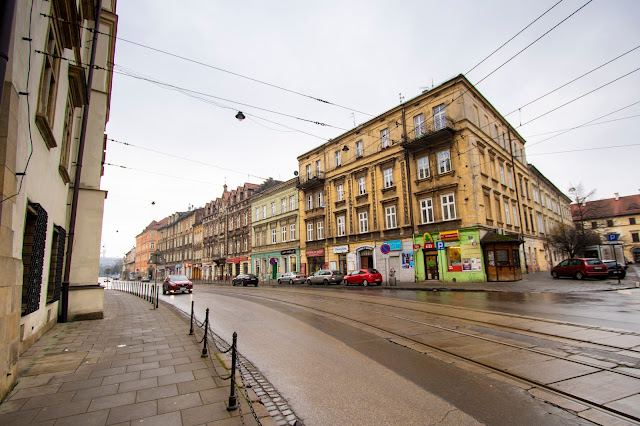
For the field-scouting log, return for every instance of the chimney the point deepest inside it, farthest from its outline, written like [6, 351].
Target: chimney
[617, 194]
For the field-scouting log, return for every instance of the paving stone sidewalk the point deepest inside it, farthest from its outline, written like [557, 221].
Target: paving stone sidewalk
[136, 366]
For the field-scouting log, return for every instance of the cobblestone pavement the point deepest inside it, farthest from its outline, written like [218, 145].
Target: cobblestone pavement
[136, 366]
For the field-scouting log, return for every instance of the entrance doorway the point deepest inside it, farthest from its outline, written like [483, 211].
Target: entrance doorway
[431, 267]
[636, 255]
[342, 263]
[274, 270]
[366, 258]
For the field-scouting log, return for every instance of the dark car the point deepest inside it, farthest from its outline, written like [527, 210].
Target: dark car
[364, 277]
[292, 277]
[580, 269]
[325, 276]
[615, 269]
[177, 283]
[245, 279]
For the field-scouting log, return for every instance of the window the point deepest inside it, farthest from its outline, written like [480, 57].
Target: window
[632, 221]
[274, 235]
[439, 117]
[363, 222]
[341, 227]
[507, 214]
[283, 205]
[423, 168]
[308, 171]
[245, 244]
[540, 223]
[238, 222]
[284, 233]
[609, 223]
[65, 147]
[444, 162]
[257, 266]
[309, 231]
[388, 178]
[309, 202]
[594, 225]
[273, 208]
[510, 178]
[514, 209]
[418, 125]
[153, 235]
[257, 217]
[340, 192]
[384, 137]
[635, 237]
[448, 207]
[319, 200]
[320, 230]
[359, 149]
[55, 264]
[361, 186]
[230, 224]
[536, 196]
[502, 181]
[292, 231]
[246, 218]
[49, 87]
[292, 203]
[338, 156]
[390, 217]
[153, 245]
[318, 168]
[426, 210]
[504, 141]
[264, 212]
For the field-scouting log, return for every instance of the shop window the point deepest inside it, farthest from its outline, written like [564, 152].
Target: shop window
[294, 267]
[503, 257]
[453, 258]
[516, 258]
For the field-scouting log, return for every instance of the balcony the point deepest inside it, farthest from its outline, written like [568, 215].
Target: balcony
[306, 182]
[429, 133]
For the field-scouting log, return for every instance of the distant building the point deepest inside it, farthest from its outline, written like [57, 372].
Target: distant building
[44, 104]
[618, 215]
[146, 243]
[129, 265]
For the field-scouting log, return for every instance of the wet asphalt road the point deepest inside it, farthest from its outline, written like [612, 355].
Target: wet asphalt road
[334, 373]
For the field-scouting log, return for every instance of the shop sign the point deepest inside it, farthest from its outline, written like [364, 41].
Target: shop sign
[187, 265]
[341, 249]
[427, 239]
[290, 251]
[394, 244]
[450, 235]
[451, 244]
[315, 252]
[416, 246]
[179, 266]
[429, 246]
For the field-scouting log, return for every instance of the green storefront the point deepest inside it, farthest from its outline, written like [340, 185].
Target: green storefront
[271, 265]
[449, 256]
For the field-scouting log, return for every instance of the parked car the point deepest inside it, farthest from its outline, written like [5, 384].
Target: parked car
[245, 279]
[177, 283]
[325, 276]
[580, 269]
[292, 277]
[364, 277]
[615, 269]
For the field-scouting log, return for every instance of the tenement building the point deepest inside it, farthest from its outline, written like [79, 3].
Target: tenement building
[53, 113]
[146, 243]
[431, 189]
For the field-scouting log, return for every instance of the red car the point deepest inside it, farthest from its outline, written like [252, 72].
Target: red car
[580, 269]
[364, 277]
[177, 283]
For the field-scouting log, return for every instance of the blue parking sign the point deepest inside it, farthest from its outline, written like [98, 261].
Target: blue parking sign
[612, 237]
[439, 245]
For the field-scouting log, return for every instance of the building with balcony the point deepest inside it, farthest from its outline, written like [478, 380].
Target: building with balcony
[431, 188]
[146, 243]
[198, 230]
[52, 114]
[617, 215]
[275, 230]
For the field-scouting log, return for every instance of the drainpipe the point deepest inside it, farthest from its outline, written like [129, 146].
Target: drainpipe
[64, 296]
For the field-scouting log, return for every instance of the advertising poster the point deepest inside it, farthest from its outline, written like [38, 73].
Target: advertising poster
[407, 260]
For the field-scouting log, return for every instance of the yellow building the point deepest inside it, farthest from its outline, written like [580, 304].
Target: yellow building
[432, 188]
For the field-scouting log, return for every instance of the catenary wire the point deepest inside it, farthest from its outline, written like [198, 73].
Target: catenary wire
[586, 125]
[156, 173]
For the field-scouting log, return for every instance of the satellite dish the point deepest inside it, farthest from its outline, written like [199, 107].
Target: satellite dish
[295, 173]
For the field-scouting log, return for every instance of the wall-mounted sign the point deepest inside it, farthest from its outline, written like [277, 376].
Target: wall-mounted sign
[394, 244]
[450, 235]
[272, 261]
[416, 246]
[427, 238]
[341, 249]
[315, 252]
[385, 248]
[429, 246]
[290, 251]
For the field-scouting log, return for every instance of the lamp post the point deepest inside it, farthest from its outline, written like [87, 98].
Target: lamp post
[155, 259]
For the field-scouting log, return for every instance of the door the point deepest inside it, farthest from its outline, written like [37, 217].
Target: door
[431, 266]
[274, 270]
[366, 259]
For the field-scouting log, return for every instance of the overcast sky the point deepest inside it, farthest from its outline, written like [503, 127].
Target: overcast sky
[360, 55]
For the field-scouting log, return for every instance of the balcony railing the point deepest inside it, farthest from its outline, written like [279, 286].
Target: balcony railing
[309, 181]
[432, 131]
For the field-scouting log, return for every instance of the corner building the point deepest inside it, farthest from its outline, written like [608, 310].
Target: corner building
[436, 180]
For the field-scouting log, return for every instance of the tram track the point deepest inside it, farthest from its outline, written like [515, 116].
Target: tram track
[334, 305]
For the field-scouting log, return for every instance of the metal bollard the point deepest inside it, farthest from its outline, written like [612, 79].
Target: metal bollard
[206, 331]
[157, 296]
[191, 328]
[233, 399]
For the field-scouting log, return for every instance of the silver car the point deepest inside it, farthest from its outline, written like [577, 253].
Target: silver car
[325, 276]
[292, 277]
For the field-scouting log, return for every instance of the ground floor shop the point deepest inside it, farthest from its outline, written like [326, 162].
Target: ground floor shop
[271, 265]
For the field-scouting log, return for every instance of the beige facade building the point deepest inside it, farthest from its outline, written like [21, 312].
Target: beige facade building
[129, 265]
[176, 243]
[44, 115]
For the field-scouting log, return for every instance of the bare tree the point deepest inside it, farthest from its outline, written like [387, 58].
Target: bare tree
[572, 239]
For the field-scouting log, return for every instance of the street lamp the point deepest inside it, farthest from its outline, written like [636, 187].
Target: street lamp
[240, 116]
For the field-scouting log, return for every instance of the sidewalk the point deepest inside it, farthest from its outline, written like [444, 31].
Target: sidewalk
[135, 366]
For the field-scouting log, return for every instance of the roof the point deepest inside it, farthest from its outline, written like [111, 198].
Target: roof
[543, 178]
[608, 207]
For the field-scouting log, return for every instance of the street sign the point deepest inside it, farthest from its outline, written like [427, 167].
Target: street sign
[385, 248]
[439, 245]
[612, 237]
[273, 261]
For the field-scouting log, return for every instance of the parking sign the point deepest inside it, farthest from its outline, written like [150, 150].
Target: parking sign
[439, 245]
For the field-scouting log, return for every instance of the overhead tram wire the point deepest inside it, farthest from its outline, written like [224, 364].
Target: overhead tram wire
[508, 41]
[184, 58]
[158, 174]
[586, 149]
[586, 125]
